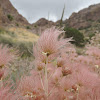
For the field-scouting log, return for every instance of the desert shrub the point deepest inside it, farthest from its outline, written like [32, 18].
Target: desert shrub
[35, 26]
[28, 27]
[17, 24]
[7, 56]
[59, 73]
[25, 48]
[2, 31]
[78, 37]
[6, 40]
[10, 17]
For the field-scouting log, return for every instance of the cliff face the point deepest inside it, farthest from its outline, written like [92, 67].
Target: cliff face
[84, 18]
[9, 15]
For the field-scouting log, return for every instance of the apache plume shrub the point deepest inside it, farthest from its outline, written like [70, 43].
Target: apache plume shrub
[78, 37]
[59, 73]
[6, 55]
[7, 94]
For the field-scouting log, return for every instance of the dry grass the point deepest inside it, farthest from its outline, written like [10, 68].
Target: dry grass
[19, 38]
[23, 35]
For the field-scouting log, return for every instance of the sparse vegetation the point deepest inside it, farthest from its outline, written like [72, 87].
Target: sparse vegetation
[35, 26]
[10, 17]
[28, 27]
[17, 24]
[21, 40]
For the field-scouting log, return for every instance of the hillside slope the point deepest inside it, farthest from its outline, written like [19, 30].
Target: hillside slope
[85, 17]
[9, 15]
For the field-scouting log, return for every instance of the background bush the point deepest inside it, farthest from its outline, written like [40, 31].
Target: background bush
[10, 17]
[78, 37]
[28, 27]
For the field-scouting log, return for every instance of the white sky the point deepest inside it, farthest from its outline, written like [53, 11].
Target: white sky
[33, 10]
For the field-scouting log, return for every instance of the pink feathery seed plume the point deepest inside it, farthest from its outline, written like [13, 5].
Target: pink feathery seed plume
[3, 73]
[60, 62]
[6, 55]
[30, 87]
[49, 43]
[6, 93]
[59, 72]
[39, 65]
[66, 87]
[85, 93]
[89, 94]
[93, 51]
[57, 75]
[87, 60]
[85, 78]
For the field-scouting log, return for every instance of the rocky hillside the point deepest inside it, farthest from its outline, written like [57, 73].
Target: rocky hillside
[43, 22]
[9, 15]
[41, 25]
[84, 18]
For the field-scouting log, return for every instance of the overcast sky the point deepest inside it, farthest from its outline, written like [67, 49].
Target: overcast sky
[33, 10]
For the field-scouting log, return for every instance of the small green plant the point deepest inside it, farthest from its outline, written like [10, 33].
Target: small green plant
[2, 31]
[78, 37]
[91, 35]
[35, 26]
[28, 27]
[10, 17]
[17, 24]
